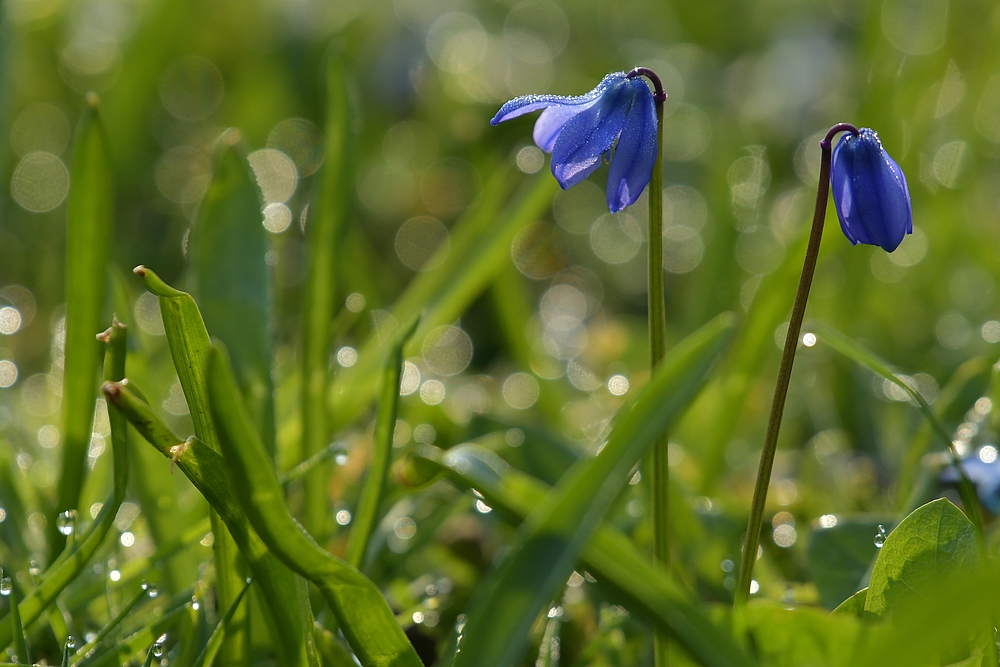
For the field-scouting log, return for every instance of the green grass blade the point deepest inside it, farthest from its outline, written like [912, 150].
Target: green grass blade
[226, 250]
[205, 468]
[81, 653]
[71, 562]
[208, 654]
[130, 647]
[385, 425]
[363, 614]
[480, 248]
[17, 629]
[872, 362]
[331, 652]
[610, 556]
[553, 535]
[89, 223]
[323, 235]
[188, 341]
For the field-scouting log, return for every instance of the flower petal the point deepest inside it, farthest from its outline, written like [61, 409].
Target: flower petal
[551, 122]
[843, 199]
[528, 103]
[635, 155]
[585, 137]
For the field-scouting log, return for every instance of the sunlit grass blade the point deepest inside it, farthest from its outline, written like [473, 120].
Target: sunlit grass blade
[480, 248]
[366, 514]
[331, 652]
[610, 556]
[557, 530]
[188, 340]
[70, 563]
[323, 236]
[133, 645]
[81, 652]
[869, 360]
[226, 250]
[89, 223]
[207, 655]
[204, 467]
[362, 613]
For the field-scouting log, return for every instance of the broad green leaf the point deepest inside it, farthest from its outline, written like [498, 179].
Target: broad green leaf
[364, 616]
[227, 247]
[480, 248]
[869, 360]
[71, 561]
[557, 530]
[188, 341]
[841, 556]
[934, 543]
[327, 218]
[89, 223]
[854, 605]
[207, 655]
[385, 426]
[610, 556]
[205, 468]
[795, 637]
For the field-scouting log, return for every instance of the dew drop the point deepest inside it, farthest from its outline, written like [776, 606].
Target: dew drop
[66, 523]
[71, 642]
[34, 569]
[6, 586]
[158, 645]
[880, 536]
[150, 589]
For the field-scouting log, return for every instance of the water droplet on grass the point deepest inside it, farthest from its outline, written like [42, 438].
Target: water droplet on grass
[880, 536]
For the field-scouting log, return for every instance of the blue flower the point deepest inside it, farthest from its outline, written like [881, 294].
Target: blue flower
[870, 193]
[579, 131]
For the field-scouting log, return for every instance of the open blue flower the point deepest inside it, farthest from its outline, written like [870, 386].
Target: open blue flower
[579, 130]
[869, 191]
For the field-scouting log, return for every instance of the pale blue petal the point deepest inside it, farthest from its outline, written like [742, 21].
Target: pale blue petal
[585, 137]
[550, 123]
[635, 154]
[528, 103]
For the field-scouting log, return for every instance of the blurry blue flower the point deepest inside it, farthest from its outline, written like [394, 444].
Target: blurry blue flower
[984, 475]
[870, 193]
[578, 131]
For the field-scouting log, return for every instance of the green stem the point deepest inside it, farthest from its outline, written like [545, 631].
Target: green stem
[752, 542]
[659, 473]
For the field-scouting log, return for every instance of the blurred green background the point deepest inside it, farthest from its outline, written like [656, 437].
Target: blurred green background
[543, 356]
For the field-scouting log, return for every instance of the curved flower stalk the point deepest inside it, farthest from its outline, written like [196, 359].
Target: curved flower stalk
[873, 204]
[617, 120]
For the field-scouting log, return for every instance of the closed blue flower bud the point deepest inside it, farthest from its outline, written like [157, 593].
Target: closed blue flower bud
[869, 191]
[579, 131]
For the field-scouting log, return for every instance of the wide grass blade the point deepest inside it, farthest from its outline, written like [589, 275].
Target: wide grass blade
[872, 362]
[71, 562]
[557, 530]
[480, 248]
[89, 222]
[227, 247]
[205, 468]
[323, 236]
[208, 654]
[188, 341]
[364, 616]
[610, 556]
[385, 426]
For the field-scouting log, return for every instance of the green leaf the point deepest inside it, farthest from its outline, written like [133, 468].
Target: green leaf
[557, 530]
[71, 561]
[327, 218]
[188, 341]
[869, 360]
[205, 468]
[841, 556]
[385, 426]
[480, 248]
[610, 556]
[364, 616]
[854, 605]
[934, 543]
[89, 222]
[226, 249]
[795, 637]
[208, 654]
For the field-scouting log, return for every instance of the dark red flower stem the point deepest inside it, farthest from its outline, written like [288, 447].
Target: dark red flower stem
[658, 93]
[752, 541]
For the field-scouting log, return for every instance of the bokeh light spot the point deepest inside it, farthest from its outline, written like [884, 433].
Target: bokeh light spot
[191, 88]
[40, 182]
[422, 243]
[520, 390]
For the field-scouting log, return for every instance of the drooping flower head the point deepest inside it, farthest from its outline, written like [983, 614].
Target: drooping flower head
[869, 191]
[579, 131]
